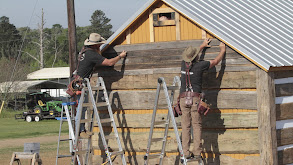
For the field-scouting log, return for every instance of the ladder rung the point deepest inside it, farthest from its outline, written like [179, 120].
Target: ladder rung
[94, 88]
[110, 137]
[85, 120]
[173, 87]
[193, 160]
[106, 120]
[152, 156]
[65, 139]
[157, 139]
[81, 152]
[160, 122]
[64, 156]
[117, 153]
[101, 104]
[87, 104]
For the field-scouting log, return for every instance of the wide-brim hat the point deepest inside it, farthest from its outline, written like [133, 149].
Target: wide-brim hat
[190, 53]
[94, 39]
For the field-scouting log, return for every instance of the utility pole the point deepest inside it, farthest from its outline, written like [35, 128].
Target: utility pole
[71, 35]
[72, 46]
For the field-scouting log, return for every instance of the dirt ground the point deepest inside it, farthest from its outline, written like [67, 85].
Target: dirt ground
[48, 149]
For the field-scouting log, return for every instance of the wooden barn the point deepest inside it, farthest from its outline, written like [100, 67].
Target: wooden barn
[251, 90]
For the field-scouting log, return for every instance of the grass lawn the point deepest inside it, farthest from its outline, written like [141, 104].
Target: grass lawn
[11, 128]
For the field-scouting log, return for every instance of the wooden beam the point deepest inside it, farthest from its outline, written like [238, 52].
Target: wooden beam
[128, 36]
[266, 117]
[163, 10]
[151, 22]
[177, 22]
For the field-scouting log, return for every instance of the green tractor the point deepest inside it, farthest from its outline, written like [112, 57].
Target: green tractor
[43, 107]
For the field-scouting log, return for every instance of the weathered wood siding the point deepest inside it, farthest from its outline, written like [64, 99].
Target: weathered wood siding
[284, 115]
[230, 129]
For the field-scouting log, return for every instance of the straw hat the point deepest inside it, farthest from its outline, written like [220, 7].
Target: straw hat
[190, 53]
[94, 39]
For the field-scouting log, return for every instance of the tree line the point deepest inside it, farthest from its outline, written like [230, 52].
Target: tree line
[24, 50]
[26, 46]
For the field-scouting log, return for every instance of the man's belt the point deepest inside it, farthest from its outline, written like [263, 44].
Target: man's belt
[193, 94]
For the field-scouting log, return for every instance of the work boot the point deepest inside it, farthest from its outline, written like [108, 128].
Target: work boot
[84, 135]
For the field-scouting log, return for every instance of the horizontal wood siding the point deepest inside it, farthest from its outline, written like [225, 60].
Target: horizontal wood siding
[284, 115]
[230, 128]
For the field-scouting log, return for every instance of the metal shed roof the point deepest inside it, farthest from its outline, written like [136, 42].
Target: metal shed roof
[50, 73]
[26, 86]
[262, 31]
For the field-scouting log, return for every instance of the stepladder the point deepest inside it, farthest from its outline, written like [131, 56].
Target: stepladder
[166, 123]
[67, 115]
[88, 113]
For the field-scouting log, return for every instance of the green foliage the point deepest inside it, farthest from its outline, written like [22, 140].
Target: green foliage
[9, 39]
[100, 24]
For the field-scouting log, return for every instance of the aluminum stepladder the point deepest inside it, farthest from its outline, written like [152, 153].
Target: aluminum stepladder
[67, 115]
[93, 104]
[169, 99]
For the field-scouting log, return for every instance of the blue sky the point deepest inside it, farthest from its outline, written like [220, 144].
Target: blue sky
[24, 13]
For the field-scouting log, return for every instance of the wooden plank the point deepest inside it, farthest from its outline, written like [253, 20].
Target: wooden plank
[285, 156]
[284, 89]
[147, 79]
[284, 111]
[177, 22]
[285, 136]
[266, 117]
[165, 45]
[151, 25]
[128, 36]
[283, 74]
[163, 10]
[212, 120]
[144, 99]
[172, 158]
[217, 141]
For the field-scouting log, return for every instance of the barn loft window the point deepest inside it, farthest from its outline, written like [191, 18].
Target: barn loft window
[164, 19]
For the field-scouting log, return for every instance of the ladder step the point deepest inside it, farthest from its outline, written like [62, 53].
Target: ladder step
[157, 139]
[87, 104]
[153, 156]
[117, 153]
[110, 137]
[64, 156]
[160, 122]
[81, 152]
[94, 88]
[173, 87]
[85, 120]
[109, 120]
[101, 104]
[65, 139]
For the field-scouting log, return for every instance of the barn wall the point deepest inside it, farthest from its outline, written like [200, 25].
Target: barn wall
[139, 31]
[284, 115]
[229, 132]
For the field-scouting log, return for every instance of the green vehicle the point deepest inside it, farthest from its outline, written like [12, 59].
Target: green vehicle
[44, 107]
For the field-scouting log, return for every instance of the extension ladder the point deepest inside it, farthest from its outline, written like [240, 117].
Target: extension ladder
[169, 99]
[67, 115]
[93, 104]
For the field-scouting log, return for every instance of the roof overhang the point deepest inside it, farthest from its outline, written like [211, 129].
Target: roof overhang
[50, 73]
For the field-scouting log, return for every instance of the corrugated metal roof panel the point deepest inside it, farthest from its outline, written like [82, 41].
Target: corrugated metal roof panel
[260, 30]
[50, 73]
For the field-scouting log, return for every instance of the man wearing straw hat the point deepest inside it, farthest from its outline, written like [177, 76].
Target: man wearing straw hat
[89, 57]
[191, 80]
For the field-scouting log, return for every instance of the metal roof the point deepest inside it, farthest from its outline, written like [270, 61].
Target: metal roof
[26, 86]
[50, 73]
[262, 31]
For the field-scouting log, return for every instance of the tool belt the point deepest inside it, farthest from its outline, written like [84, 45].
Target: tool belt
[74, 86]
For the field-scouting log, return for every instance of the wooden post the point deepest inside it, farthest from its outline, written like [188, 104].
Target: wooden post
[266, 117]
[71, 35]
